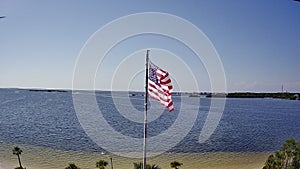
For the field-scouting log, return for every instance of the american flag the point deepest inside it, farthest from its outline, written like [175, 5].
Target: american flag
[159, 86]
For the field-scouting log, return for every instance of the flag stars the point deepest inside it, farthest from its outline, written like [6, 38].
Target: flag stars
[152, 75]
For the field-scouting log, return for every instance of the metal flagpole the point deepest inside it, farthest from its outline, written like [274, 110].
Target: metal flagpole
[145, 113]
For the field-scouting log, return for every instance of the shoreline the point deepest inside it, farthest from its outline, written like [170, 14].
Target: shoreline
[46, 158]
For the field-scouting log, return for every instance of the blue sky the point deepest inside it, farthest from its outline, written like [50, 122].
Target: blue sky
[257, 41]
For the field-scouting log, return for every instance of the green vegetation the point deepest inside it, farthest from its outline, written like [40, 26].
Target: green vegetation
[279, 95]
[286, 95]
[101, 164]
[175, 164]
[46, 90]
[288, 157]
[17, 151]
[148, 166]
[138, 165]
[72, 166]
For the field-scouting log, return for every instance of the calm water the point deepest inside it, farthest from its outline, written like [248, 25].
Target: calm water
[48, 119]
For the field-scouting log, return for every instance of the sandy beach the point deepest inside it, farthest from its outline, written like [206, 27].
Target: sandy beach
[45, 158]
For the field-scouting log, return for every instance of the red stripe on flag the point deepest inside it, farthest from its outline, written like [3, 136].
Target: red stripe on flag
[160, 88]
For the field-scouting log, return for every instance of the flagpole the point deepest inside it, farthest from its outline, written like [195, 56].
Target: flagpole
[145, 113]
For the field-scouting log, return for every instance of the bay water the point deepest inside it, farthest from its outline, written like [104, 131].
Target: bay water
[47, 120]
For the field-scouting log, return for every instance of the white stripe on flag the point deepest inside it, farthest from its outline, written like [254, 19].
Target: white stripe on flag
[161, 88]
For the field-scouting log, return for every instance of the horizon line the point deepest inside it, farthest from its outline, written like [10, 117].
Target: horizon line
[107, 90]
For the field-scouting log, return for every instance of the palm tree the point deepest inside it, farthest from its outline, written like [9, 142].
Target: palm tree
[288, 149]
[72, 166]
[17, 151]
[270, 163]
[101, 164]
[175, 164]
[288, 157]
[153, 166]
[148, 166]
[138, 165]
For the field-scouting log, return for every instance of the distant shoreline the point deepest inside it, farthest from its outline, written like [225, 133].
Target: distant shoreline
[282, 95]
[277, 95]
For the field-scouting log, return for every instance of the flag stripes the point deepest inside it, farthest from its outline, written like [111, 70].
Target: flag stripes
[159, 86]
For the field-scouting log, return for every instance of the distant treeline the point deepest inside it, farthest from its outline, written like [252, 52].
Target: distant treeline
[280, 95]
[291, 96]
[46, 90]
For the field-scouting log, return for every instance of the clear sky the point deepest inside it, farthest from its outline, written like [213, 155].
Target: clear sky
[257, 41]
